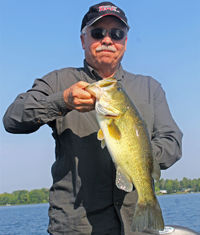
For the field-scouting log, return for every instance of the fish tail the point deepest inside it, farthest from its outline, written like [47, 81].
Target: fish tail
[147, 216]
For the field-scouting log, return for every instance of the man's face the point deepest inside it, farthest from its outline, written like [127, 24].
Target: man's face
[104, 58]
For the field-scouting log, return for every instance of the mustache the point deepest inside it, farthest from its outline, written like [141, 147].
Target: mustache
[108, 48]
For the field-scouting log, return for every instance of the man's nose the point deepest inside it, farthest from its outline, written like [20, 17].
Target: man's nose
[107, 40]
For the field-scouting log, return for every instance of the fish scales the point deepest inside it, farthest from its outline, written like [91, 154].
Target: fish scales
[125, 134]
[130, 146]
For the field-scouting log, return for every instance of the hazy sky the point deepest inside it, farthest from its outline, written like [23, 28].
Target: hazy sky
[38, 37]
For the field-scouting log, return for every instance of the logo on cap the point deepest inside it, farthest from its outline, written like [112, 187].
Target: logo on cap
[106, 8]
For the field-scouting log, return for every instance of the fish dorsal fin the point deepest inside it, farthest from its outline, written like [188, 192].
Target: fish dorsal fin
[122, 181]
[145, 123]
[114, 130]
[156, 169]
[100, 136]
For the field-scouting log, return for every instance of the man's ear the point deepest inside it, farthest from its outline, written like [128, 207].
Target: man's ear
[83, 41]
[126, 42]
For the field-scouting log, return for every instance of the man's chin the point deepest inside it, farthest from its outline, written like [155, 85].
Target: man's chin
[106, 61]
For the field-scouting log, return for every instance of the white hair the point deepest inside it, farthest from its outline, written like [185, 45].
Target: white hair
[83, 31]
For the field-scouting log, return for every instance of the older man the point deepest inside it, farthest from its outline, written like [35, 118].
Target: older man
[84, 198]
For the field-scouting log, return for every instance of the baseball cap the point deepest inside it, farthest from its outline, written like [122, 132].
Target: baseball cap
[100, 10]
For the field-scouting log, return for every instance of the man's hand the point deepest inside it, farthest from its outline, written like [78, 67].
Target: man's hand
[77, 98]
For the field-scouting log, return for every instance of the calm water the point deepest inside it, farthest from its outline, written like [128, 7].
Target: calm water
[182, 209]
[21, 220]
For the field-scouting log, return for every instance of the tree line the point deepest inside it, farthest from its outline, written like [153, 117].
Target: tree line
[42, 195]
[172, 186]
[25, 197]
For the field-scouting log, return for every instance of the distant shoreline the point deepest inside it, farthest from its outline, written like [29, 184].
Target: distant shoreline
[163, 194]
[160, 194]
[25, 204]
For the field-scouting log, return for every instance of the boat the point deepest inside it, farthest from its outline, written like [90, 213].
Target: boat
[177, 230]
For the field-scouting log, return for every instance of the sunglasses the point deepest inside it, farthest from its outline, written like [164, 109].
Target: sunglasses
[115, 34]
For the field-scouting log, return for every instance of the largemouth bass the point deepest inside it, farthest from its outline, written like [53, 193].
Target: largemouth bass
[125, 134]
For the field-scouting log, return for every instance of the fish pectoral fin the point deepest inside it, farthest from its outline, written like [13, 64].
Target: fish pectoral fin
[114, 130]
[122, 182]
[156, 169]
[100, 135]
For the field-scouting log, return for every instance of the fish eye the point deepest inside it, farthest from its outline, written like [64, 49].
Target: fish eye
[119, 89]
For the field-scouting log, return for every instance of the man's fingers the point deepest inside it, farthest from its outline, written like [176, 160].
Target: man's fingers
[84, 102]
[81, 93]
[78, 90]
[82, 84]
[77, 98]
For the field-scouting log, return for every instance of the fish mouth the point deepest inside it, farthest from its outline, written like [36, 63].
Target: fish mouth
[95, 90]
[104, 111]
[112, 116]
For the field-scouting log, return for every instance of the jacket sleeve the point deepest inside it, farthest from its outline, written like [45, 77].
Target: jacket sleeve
[38, 106]
[167, 137]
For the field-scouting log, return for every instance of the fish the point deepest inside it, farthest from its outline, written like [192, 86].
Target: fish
[125, 134]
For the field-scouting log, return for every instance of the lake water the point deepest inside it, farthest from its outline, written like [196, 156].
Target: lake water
[181, 209]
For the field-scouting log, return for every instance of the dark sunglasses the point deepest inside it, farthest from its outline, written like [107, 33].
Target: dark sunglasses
[100, 33]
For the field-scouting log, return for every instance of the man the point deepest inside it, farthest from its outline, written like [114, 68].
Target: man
[84, 198]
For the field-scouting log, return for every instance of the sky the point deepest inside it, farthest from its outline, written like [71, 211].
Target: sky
[37, 37]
